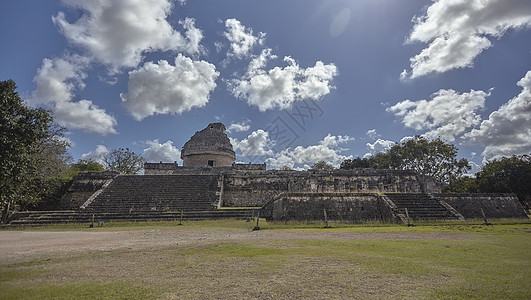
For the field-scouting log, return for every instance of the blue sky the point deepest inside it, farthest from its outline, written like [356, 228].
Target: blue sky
[294, 81]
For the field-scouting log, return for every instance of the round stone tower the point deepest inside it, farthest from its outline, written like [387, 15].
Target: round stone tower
[208, 147]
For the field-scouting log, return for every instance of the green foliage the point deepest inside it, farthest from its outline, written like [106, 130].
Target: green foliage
[124, 161]
[34, 170]
[433, 158]
[378, 161]
[86, 166]
[507, 175]
[53, 172]
[50, 191]
[356, 163]
[322, 165]
[52, 157]
[22, 132]
[462, 185]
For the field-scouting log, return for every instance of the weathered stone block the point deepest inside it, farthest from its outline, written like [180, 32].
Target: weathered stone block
[493, 205]
[344, 207]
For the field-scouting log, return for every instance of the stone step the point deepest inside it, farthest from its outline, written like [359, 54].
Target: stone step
[420, 206]
[158, 192]
[45, 218]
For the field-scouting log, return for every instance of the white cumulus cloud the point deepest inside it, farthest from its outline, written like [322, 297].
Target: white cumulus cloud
[333, 141]
[239, 127]
[84, 115]
[457, 31]
[281, 87]
[378, 146]
[98, 155]
[118, 32]
[257, 143]
[372, 134]
[446, 115]
[57, 80]
[328, 150]
[165, 152]
[165, 89]
[241, 38]
[507, 131]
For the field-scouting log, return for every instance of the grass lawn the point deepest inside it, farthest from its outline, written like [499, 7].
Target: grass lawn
[223, 259]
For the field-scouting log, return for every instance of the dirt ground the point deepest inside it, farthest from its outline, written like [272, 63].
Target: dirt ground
[19, 244]
[185, 262]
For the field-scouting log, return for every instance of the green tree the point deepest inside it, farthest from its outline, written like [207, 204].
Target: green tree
[378, 161]
[507, 175]
[86, 166]
[51, 156]
[464, 184]
[22, 129]
[356, 163]
[434, 158]
[53, 174]
[322, 165]
[124, 161]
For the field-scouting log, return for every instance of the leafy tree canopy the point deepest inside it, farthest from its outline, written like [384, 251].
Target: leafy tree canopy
[378, 161]
[434, 158]
[464, 184]
[86, 166]
[27, 136]
[356, 163]
[124, 161]
[507, 175]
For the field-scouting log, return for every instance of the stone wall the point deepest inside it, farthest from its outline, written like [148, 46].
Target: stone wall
[249, 167]
[160, 168]
[174, 169]
[256, 188]
[354, 195]
[206, 170]
[85, 185]
[494, 205]
[220, 159]
[344, 207]
[209, 144]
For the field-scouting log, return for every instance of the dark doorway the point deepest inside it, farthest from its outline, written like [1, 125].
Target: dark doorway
[211, 163]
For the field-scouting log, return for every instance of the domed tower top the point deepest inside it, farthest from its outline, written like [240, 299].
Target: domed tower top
[208, 147]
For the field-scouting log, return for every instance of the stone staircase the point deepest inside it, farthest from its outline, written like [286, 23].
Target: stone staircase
[421, 206]
[41, 218]
[162, 193]
[144, 198]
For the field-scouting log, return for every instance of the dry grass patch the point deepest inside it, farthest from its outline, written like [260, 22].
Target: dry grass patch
[453, 261]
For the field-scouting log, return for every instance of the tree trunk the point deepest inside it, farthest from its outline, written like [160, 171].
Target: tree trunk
[5, 212]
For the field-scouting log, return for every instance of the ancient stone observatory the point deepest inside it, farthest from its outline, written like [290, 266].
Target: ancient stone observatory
[209, 179]
[208, 147]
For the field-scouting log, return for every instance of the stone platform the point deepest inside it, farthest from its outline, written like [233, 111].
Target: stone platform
[349, 196]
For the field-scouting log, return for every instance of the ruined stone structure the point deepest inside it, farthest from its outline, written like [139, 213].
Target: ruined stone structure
[209, 180]
[208, 147]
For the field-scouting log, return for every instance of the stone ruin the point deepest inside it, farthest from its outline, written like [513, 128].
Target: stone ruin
[208, 147]
[209, 181]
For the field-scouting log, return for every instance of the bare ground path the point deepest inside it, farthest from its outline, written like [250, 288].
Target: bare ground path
[212, 260]
[15, 244]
